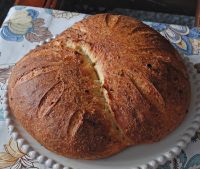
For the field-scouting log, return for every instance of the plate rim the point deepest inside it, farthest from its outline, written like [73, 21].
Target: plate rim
[175, 150]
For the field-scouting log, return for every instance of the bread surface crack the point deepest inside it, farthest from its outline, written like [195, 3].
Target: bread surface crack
[100, 77]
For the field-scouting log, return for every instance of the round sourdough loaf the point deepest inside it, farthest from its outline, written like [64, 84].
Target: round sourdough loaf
[104, 84]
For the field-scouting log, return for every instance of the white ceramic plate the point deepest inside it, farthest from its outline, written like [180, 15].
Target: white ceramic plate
[136, 157]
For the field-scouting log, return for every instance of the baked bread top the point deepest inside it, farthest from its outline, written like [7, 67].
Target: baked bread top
[106, 83]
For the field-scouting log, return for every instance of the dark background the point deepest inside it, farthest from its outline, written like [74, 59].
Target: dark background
[182, 7]
[178, 7]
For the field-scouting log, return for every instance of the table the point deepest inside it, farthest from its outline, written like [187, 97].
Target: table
[25, 27]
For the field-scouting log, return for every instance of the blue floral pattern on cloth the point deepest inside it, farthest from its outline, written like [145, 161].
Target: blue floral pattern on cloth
[1, 114]
[25, 24]
[183, 162]
[184, 39]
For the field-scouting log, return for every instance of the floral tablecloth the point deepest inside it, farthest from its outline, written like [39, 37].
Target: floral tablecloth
[25, 27]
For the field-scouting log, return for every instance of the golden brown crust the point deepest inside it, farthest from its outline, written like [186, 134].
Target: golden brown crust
[106, 83]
